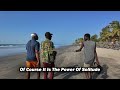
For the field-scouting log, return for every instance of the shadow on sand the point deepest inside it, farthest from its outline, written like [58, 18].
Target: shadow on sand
[67, 75]
[103, 74]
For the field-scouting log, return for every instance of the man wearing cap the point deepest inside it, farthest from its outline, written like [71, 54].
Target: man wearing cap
[48, 54]
[33, 57]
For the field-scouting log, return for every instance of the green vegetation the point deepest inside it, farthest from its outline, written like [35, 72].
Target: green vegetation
[95, 38]
[109, 33]
[79, 40]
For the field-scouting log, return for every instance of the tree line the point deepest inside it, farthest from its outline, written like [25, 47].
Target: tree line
[109, 33]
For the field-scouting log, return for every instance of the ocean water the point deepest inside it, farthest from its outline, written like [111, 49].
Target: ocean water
[13, 49]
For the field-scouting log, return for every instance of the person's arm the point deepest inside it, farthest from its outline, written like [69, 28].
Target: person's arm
[26, 46]
[96, 56]
[38, 57]
[82, 45]
[37, 48]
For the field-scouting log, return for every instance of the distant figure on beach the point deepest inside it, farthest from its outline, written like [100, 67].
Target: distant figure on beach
[48, 54]
[33, 56]
[90, 53]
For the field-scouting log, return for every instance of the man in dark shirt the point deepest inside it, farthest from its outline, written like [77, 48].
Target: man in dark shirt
[33, 56]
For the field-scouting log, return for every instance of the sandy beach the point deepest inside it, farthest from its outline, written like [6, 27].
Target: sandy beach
[66, 57]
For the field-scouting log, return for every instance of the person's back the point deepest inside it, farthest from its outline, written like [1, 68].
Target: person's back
[47, 55]
[31, 46]
[89, 51]
[33, 58]
[47, 47]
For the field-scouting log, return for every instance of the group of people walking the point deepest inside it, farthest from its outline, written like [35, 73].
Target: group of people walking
[46, 53]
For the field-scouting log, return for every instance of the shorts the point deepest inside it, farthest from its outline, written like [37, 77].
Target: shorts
[88, 65]
[50, 65]
[31, 64]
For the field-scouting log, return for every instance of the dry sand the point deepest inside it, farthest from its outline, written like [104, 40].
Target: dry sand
[66, 57]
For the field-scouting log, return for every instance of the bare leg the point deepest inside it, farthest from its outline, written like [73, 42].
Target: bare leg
[89, 75]
[86, 75]
[38, 75]
[28, 75]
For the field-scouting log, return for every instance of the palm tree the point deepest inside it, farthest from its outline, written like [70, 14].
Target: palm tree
[115, 25]
[105, 35]
[94, 37]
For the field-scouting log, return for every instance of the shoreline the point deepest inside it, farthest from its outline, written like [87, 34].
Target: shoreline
[11, 51]
[12, 55]
[58, 48]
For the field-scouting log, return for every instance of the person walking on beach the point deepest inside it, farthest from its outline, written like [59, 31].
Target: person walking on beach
[33, 55]
[90, 54]
[48, 55]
